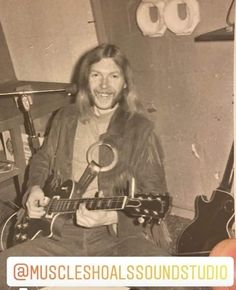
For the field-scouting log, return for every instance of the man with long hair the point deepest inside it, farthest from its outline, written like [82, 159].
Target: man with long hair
[106, 111]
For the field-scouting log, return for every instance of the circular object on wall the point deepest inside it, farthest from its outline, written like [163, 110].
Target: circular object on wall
[146, 24]
[174, 20]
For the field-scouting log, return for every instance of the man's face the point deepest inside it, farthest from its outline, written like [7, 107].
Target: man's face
[106, 81]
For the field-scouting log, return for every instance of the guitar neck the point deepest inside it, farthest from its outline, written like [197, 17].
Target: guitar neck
[71, 205]
[227, 179]
[148, 205]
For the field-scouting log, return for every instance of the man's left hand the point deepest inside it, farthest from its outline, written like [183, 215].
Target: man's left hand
[93, 218]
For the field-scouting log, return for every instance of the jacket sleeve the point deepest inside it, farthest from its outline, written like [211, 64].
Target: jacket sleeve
[41, 163]
[150, 174]
[151, 179]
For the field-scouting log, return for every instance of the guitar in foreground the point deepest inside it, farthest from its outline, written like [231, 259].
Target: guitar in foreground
[213, 220]
[61, 206]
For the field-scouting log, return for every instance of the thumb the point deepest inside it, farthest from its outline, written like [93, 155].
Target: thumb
[99, 193]
[44, 201]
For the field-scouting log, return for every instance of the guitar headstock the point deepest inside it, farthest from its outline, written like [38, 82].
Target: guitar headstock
[148, 207]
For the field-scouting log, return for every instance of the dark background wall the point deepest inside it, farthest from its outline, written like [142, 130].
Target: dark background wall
[190, 84]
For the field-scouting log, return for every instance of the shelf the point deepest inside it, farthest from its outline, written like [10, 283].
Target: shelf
[7, 175]
[222, 34]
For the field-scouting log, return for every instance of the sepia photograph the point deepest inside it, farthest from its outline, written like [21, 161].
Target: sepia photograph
[117, 144]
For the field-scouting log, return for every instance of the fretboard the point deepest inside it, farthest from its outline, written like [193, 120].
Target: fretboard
[71, 205]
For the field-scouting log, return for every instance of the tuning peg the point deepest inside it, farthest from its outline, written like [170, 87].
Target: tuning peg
[17, 236]
[19, 226]
[25, 225]
[150, 220]
[141, 220]
[23, 237]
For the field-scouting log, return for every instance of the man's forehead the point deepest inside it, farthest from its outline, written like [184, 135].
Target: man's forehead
[105, 64]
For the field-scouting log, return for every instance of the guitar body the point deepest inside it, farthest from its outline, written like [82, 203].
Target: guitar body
[212, 223]
[20, 227]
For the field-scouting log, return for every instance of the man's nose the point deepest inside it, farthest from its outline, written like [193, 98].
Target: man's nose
[104, 82]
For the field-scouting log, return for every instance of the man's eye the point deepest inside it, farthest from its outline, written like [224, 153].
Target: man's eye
[94, 75]
[115, 76]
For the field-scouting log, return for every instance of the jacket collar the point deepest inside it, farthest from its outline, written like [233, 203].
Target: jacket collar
[118, 122]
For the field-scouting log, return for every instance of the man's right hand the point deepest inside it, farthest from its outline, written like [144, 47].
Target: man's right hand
[36, 202]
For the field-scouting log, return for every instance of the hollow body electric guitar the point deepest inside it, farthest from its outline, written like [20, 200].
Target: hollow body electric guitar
[213, 220]
[62, 205]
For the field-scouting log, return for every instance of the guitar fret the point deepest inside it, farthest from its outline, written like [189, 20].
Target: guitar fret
[96, 204]
[109, 203]
[71, 206]
[67, 206]
[60, 205]
[100, 204]
[104, 203]
[117, 203]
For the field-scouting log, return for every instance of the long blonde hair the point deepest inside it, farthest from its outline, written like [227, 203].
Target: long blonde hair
[128, 100]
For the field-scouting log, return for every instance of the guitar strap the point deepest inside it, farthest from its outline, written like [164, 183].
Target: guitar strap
[90, 172]
[228, 176]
